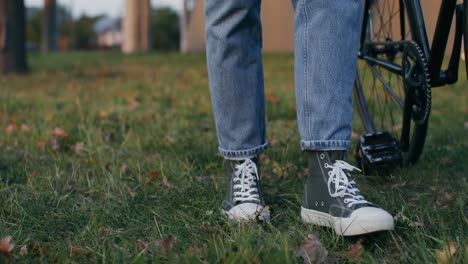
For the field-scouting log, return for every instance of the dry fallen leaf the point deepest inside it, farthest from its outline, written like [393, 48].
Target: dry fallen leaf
[167, 244]
[10, 128]
[272, 98]
[102, 114]
[194, 251]
[75, 251]
[59, 132]
[154, 174]
[6, 246]
[79, 147]
[354, 252]
[141, 245]
[23, 250]
[444, 198]
[133, 102]
[404, 218]
[312, 250]
[41, 145]
[123, 168]
[443, 256]
[25, 128]
[166, 183]
[355, 135]
[264, 215]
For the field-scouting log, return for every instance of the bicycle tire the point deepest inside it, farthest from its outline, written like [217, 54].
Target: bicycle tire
[380, 94]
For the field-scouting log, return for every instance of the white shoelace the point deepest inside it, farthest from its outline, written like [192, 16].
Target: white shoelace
[245, 176]
[338, 178]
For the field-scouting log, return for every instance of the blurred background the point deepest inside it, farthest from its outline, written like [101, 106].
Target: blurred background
[128, 25]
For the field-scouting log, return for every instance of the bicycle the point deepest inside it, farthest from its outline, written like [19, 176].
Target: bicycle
[398, 69]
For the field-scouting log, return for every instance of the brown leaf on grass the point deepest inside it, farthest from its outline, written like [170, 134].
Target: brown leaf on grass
[444, 198]
[102, 114]
[23, 250]
[312, 250]
[354, 252]
[143, 246]
[166, 183]
[167, 244]
[404, 218]
[123, 168]
[194, 251]
[75, 251]
[264, 215]
[445, 255]
[133, 102]
[154, 174]
[10, 128]
[272, 98]
[79, 147]
[25, 128]
[41, 145]
[355, 135]
[60, 133]
[6, 246]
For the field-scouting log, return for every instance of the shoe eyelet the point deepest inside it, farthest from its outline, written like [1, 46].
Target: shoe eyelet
[329, 174]
[322, 156]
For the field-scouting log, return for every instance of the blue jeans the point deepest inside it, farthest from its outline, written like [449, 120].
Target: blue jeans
[326, 48]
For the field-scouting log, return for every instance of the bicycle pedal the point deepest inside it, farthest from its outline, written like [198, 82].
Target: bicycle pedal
[379, 153]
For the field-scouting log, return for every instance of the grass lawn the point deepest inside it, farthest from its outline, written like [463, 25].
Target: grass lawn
[113, 158]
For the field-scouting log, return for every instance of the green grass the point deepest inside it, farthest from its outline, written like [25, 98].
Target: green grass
[151, 113]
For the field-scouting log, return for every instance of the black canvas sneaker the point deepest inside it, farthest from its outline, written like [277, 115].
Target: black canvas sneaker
[331, 198]
[244, 198]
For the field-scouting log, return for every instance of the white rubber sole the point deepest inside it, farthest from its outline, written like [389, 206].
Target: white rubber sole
[362, 221]
[245, 212]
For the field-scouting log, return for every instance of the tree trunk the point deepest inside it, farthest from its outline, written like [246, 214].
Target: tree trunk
[49, 38]
[136, 26]
[12, 36]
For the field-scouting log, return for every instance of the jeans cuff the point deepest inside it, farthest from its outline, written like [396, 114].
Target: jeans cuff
[325, 144]
[243, 154]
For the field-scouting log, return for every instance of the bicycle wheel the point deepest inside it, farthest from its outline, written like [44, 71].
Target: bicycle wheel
[392, 87]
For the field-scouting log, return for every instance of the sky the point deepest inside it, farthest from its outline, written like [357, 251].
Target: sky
[111, 8]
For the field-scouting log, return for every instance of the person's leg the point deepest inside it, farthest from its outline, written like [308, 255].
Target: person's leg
[235, 71]
[326, 47]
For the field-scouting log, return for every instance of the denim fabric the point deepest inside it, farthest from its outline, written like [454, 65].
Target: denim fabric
[326, 47]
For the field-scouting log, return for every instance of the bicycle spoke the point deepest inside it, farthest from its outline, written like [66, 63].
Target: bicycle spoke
[387, 87]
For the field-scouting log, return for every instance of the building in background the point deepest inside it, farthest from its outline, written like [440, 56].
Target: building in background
[277, 18]
[108, 32]
[277, 22]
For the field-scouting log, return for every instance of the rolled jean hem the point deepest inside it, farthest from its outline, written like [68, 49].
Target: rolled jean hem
[325, 144]
[242, 154]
